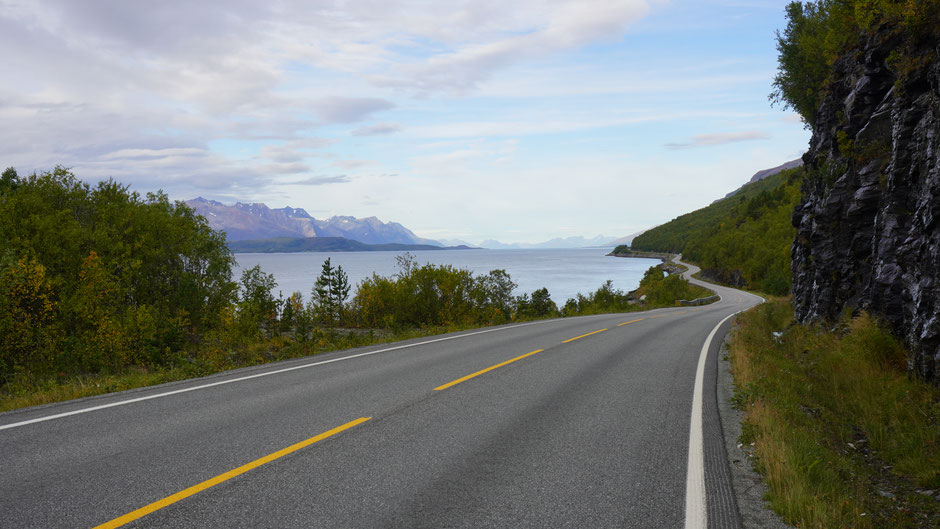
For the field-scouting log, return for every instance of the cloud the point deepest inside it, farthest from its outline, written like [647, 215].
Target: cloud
[711, 140]
[294, 150]
[153, 154]
[351, 164]
[532, 30]
[377, 129]
[348, 110]
[148, 92]
[321, 180]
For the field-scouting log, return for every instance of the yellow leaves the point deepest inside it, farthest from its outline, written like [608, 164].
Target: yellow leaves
[27, 310]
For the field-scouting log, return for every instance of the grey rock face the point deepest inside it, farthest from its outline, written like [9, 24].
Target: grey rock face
[867, 228]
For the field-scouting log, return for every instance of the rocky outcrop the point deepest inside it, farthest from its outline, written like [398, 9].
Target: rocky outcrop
[868, 236]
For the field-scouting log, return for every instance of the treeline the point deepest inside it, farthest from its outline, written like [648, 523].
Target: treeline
[98, 280]
[430, 295]
[743, 240]
[820, 32]
[417, 296]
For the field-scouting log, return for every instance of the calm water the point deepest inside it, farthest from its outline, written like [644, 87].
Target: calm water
[564, 273]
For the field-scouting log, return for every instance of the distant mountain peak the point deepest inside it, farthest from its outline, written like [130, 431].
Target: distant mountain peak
[760, 175]
[576, 241]
[255, 220]
[205, 201]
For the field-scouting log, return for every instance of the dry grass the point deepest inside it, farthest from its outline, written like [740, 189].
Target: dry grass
[842, 436]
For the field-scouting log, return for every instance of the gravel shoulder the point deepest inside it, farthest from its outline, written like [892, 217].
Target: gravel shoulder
[749, 488]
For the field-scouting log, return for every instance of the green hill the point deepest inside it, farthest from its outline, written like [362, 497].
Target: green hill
[743, 240]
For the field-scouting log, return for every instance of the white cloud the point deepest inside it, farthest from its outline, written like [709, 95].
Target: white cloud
[320, 180]
[545, 30]
[377, 129]
[711, 140]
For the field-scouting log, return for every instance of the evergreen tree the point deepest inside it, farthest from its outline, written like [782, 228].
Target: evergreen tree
[339, 293]
[330, 293]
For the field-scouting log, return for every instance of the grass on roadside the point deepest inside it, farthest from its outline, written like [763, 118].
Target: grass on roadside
[26, 390]
[841, 435]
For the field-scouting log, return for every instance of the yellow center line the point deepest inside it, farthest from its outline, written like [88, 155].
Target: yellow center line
[169, 500]
[582, 336]
[660, 316]
[629, 322]
[480, 372]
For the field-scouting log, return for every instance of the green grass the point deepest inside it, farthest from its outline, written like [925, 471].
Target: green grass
[842, 436]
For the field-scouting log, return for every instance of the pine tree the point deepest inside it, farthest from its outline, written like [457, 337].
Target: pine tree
[322, 300]
[339, 292]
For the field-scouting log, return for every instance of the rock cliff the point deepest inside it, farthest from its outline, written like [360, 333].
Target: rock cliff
[868, 236]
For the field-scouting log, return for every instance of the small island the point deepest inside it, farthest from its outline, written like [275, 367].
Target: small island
[624, 251]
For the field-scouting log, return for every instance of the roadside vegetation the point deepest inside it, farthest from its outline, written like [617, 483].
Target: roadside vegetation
[820, 32]
[104, 290]
[841, 434]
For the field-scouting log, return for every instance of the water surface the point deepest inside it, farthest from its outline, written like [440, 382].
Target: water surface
[564, 272]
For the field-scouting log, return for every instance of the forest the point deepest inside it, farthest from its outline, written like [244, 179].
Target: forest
[743, 240]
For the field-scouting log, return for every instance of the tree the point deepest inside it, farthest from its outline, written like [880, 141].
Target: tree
[257, 309]
[330, 293]
[27, 311]
[493, 295]
[9, 181]
[339, 293]
[804, 63]
[539, 305]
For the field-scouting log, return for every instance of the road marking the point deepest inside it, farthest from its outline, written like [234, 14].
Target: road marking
[480, 372]
[629, 322]
[267, 373]
[582, 336]
[660, 316]
[183, 494]
[696, 516]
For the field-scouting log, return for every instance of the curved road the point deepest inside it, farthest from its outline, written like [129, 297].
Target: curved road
[576, 422]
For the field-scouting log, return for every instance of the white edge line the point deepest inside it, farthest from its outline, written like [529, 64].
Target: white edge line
[696, 516]
[267, 373]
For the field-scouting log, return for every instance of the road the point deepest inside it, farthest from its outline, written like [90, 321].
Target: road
[575, 422]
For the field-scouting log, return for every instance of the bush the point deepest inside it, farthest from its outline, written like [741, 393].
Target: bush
[98, 278]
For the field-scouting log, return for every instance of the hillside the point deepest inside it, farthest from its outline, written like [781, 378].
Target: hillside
[743, 240]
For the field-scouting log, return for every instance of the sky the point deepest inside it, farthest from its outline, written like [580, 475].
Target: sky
[519, 121]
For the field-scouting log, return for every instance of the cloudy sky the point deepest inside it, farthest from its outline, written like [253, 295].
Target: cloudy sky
[515, 120]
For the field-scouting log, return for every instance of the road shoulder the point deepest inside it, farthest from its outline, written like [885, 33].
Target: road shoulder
[748, 486]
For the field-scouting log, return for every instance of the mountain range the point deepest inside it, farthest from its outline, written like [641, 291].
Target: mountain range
[255, 221]
[558, 242]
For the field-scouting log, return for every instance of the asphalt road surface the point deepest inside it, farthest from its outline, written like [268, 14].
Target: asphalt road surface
[577, 422]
